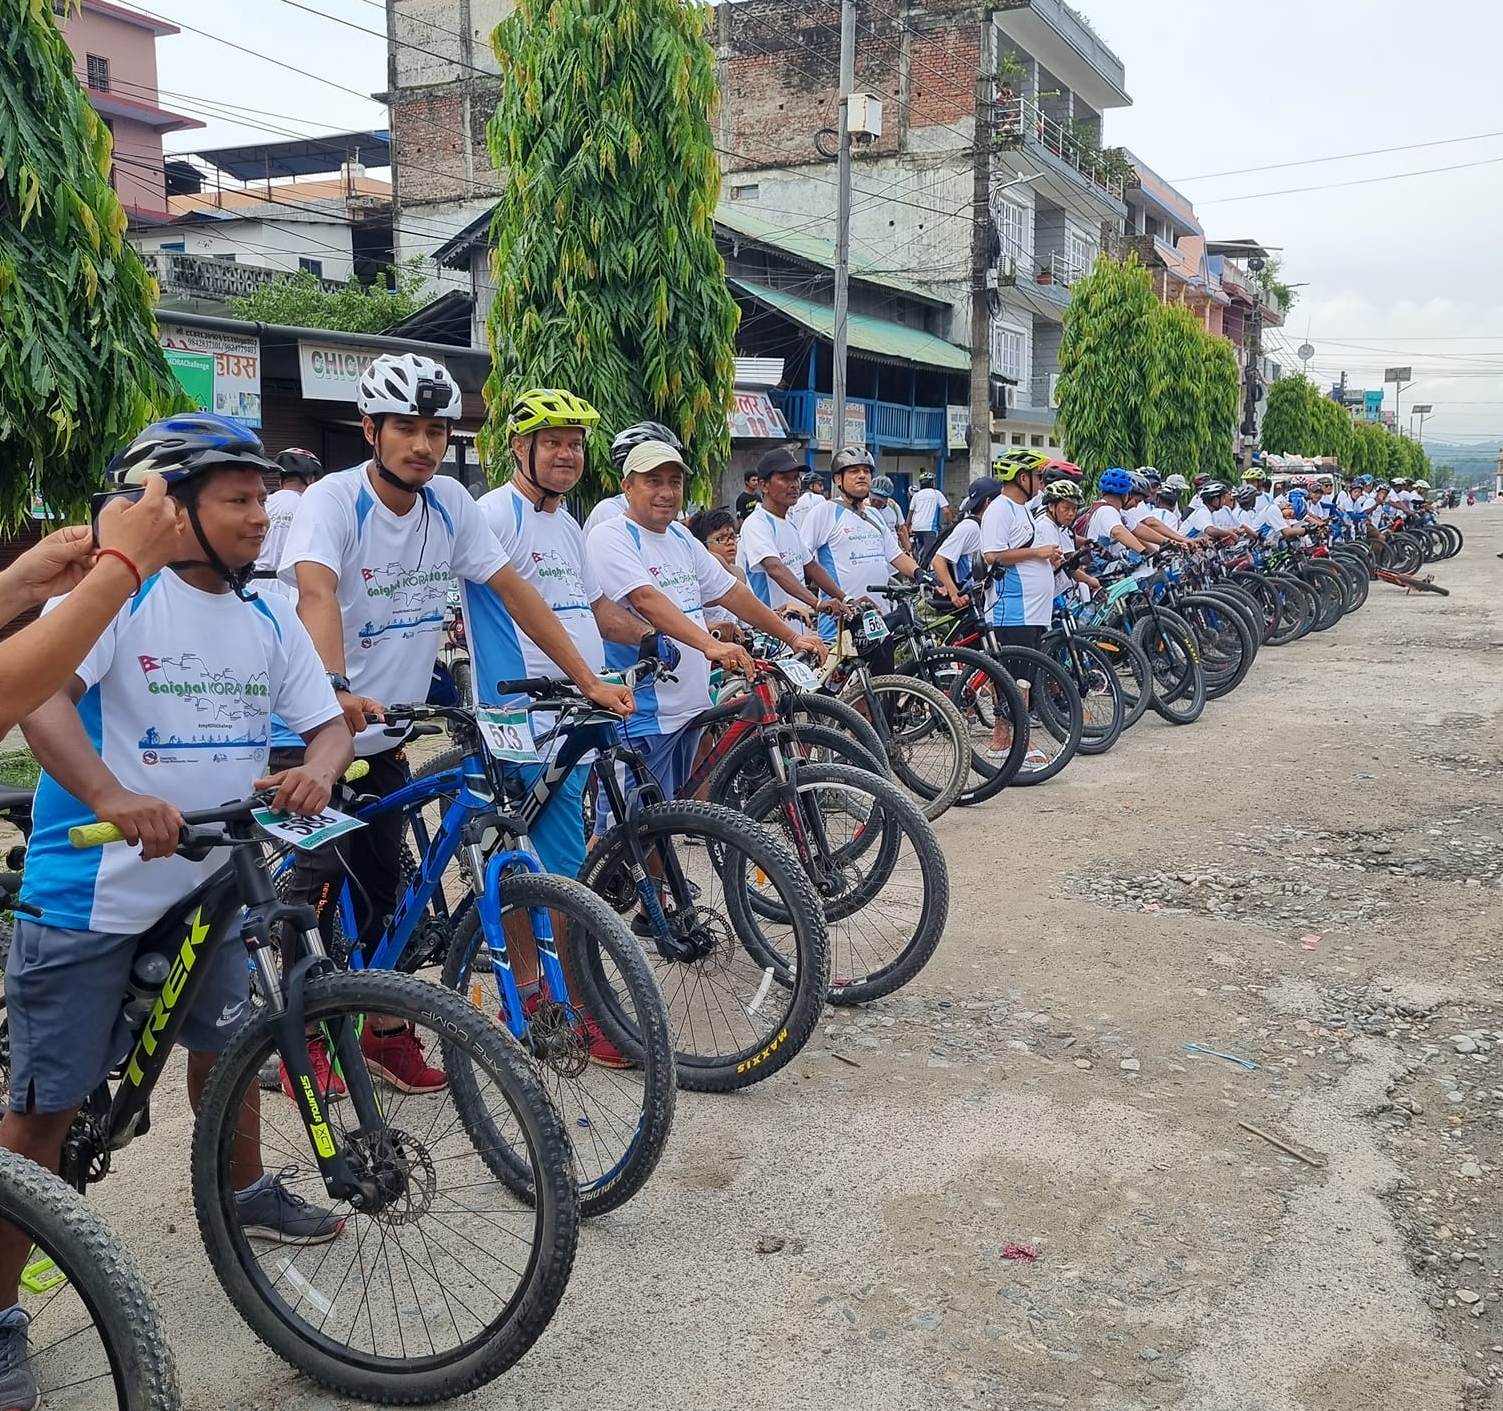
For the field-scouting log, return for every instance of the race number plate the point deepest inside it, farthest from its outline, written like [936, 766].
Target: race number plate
[874, 626]
[305, 833]
[508, 735]
[798, 674]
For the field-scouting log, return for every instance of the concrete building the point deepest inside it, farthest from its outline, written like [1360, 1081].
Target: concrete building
[115, 57]
[442, 87]
[914, 184]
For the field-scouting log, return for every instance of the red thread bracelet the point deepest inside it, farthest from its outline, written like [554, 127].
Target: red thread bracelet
[115, 553]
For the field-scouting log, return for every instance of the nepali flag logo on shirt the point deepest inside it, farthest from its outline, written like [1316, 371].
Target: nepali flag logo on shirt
[653, 569]
[149, 663]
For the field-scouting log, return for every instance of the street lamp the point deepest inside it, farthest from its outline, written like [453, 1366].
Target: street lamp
[1420, 410]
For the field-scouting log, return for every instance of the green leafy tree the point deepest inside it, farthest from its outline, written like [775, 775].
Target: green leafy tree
[1289, 417]
[1175, 428]
[301, 301]
[1331, 426]
[1223, 403]
[1369, 449]
[608, 281]
[1103, 361]
[80, 368]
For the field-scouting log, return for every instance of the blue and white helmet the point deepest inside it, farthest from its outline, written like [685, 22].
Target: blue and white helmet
[180, 447]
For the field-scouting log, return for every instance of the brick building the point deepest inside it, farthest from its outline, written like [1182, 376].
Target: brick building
[913, 186]
[442, 88]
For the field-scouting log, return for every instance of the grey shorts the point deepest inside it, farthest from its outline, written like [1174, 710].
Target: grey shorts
[64, 992]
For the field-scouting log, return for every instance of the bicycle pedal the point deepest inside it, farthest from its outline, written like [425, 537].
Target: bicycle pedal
[41, 1275]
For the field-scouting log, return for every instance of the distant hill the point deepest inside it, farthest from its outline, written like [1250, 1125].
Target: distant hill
[1472, 456]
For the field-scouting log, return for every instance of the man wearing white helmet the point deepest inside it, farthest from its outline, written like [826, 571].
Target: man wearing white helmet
[614, 506]
[372, 553]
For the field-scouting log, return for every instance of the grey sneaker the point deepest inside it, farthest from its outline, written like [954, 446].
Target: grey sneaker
[18, 1388]
[269, 1211]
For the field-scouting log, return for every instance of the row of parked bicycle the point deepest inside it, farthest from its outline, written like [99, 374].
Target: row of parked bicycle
[697, 949]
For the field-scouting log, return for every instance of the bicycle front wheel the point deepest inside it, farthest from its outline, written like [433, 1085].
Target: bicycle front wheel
[928, 742]
[602, 1051]
[444, 1276]
[732, 928]
[877, 865]
[96, 1340]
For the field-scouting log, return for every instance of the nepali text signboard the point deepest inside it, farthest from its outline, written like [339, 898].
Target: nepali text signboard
[824, 424]
[958, 427]
[754, 418]
[220, 371]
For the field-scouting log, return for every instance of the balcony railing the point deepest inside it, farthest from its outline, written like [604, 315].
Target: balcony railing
[1021, 121]
[887, 423]
[181, 276]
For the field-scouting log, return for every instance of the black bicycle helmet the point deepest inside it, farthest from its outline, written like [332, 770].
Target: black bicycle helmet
[1212, 490]
[635, 435]
[304, 465]
[1246, 496]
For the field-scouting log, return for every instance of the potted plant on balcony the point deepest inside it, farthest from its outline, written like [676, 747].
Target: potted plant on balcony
[1046, 275]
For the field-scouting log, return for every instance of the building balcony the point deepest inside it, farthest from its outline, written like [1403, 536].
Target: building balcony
[1024, 127]
[188, 282]
[1061, 39]
[890, 425]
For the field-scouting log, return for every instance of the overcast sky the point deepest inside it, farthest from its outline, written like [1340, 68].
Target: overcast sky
[1396, 272]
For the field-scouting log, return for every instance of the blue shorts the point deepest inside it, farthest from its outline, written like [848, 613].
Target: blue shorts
[64, 992]
[558, 836]
[669, 757]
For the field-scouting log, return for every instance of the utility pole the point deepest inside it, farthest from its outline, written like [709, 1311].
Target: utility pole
[981, 254]
[1254, 373]
[843, 217]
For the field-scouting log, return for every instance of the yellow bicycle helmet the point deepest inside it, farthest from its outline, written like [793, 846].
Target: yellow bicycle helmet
[1018, 461]
[1254, 477]
[549, 406]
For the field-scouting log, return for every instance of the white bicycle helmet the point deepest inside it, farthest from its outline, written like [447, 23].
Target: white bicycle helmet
[407, 384]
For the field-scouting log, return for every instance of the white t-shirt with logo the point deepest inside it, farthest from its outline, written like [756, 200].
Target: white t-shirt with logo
[626, 556]
[394, 576]
[1197, 521]
[1226, 518]
[1046, 532]
[856, 549]
[179, 694]
[765, 536]
[1103, 521]
[889, 513]
[1025, 596]
[281, 509]
[547, 548]
[925, 509]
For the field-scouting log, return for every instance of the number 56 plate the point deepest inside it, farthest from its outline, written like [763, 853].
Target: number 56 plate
[306, 833]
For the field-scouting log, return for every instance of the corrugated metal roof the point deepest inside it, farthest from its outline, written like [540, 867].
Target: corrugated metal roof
[759, 372]
[875, 337]
[740, 219]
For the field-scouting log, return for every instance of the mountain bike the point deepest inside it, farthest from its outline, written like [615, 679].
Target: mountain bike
[95, 1338]
[872, 857]
[617, 1118]
[723, 913]
[441, 1276]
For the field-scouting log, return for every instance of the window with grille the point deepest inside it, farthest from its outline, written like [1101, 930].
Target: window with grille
[97, 67]
[1012, 229]
[1080, 251]
[1010, 352]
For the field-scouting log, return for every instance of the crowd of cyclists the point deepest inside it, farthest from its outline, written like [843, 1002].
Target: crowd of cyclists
[201, 642]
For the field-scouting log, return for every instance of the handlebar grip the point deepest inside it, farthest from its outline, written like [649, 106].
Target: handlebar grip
[357, 771]
[529, 686]
[94, 835]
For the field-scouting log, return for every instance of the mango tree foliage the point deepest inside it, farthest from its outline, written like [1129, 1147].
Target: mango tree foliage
[80, 368]
[608, 281]
[1174, 414]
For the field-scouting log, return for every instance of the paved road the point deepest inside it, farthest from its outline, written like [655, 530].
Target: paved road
[1278, 882]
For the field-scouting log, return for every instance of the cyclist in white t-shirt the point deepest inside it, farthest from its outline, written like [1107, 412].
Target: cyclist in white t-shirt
[954, 562]
[299, 470]
[779, 566]
[613, 506]
[1201, 522]
[884, 501]
[1107, 524]
[815, 493]
[657, 570]
[927, 512]
[373, 551]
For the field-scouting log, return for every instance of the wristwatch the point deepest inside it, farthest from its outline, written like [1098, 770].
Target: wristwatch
[339, 681]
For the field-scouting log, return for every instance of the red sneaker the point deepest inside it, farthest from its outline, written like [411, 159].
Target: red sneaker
[326, 1082]
[397, 1058]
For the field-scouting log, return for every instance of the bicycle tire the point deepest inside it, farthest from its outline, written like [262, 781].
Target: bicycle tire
[1406, 554]
[901, 819]
[743, 771]
[1329, 598]
[974, 682]
[735, 850]
[816, 708]
[1223, 637]
[1411, 584]
[641, 1036]
[1058, 711]
[937, 789]
[1161, 636]
[1245, 607]
[1131, 668]
[1103, 706]
[553, 1214]
[96, 1267]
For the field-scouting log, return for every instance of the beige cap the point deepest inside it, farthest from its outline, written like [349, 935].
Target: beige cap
[649, 456]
